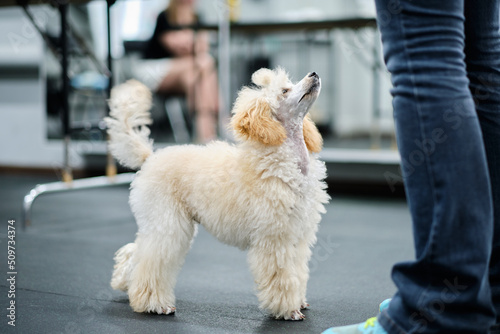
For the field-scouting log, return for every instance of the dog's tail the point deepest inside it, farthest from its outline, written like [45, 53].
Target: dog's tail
[127, 127]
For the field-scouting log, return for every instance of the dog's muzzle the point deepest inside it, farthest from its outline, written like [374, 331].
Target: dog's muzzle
[314, 86]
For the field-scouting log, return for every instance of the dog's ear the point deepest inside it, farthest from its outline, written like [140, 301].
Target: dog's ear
[262, 77]
[312, 137]
[256, 123]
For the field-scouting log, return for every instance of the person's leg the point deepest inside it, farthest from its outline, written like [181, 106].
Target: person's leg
[444, 162]
[208, 81]
[446, 289]
[206, 92]
[482, 56]
[194, 78]
[180, 77]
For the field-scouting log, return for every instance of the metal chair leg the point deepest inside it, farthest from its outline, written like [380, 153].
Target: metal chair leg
[175, 116]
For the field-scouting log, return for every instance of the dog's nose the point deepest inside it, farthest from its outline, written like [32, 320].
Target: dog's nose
[313, 74]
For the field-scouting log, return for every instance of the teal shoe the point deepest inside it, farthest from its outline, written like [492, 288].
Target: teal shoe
[384, 305]
[370, 326]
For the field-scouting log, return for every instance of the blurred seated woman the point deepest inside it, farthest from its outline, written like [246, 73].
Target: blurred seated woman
[178, 62]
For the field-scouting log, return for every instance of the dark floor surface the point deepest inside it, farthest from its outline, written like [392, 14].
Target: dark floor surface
[64, 263]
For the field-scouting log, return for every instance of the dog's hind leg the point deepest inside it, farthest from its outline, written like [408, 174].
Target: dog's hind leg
[279, 283]
[123, 267]
[158, 258]
[302, 264]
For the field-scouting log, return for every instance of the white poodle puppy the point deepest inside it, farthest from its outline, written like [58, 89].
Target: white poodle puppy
[264, 194]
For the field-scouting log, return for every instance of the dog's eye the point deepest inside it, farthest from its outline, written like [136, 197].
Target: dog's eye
[285, 90]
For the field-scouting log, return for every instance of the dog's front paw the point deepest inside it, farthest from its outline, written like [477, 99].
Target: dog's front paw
[304, 306]
[295, 315]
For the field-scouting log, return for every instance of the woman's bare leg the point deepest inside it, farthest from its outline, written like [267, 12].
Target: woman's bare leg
[196, 78]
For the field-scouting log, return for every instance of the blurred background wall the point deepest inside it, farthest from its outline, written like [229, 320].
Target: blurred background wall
[346, 60]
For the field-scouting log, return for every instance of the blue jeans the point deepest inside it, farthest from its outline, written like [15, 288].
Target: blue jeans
[444, 58]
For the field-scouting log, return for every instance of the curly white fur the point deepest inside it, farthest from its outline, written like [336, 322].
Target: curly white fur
[123, 267]
[129, 110]
[256, 195]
